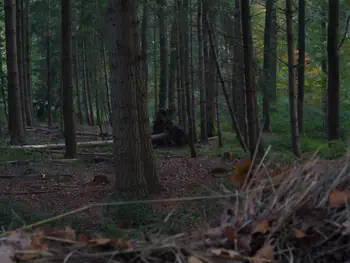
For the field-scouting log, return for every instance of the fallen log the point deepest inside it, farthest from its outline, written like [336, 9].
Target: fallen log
[60, 145]
[160, 136]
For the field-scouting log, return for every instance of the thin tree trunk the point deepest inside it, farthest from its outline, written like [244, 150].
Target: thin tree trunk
[291, 82]
[249, 80]
[201, 75]
[333, 71]
[172, 71]
[77, 87]
[301, 65]
[48, 80]
[16, 127]
[67, 82]
[28, 59]
[27, 101]
[20, 60]
[163, 48]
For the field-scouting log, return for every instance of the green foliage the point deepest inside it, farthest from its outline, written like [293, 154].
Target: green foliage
[20, 154]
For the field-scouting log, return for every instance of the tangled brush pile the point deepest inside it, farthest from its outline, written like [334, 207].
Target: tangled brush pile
[300, 215]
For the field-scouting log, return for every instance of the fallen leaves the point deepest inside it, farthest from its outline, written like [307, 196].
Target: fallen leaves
[264, 254]
[261, 226]
[338, 198]
[241, 171]
[299, 233]
[26, 246]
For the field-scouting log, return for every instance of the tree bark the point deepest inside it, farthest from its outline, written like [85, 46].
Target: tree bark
[252, 110]
[67, 83]
[16, 127]
[333, 71]
[291, 81]
[301, 65]
[201, 75]
[126, 79]
[20, 60]
[163, 48]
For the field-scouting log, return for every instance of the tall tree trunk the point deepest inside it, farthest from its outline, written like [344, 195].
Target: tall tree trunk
[163, 48]
[186, 75]
[252, 109]
[20, 61]
[77, 87]
[16, 127]
[155, 69]
[182, 91]
[28, 60]
[291, 81]
[301, 65]
[201, 74]
[106, 78]
[130, 166]
[48, 80]
[142, 104]
[88, 87]
[172, 72]
[324, 66]
[273, 63]
[238, 88]
[85, 91]
[27, 101]
[192, 84]
[2, 75]
[210, 73]
[67, 83]
[144, 42]
[268, 56]
[333, 71]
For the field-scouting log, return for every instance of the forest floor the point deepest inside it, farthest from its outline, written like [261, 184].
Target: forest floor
[307, 206]
[41, 182]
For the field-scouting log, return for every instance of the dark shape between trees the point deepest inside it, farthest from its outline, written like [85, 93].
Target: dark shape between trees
[165, 133]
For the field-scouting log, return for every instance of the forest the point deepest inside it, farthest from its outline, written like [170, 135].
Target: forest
[174, 131]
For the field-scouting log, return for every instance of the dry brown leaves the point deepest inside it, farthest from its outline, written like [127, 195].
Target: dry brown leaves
[292, 206]
[25, 246]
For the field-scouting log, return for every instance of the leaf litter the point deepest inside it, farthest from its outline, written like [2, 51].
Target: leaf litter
[292, 214]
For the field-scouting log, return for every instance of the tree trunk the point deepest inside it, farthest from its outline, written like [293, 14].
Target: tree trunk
[16, 128]
[201, 74]
[106, 78]
[333, 71]
[85, 96]
[172, 72]
[238, 88]
[88, 87]
[28, 60]
[77, 87]
[291, 81]
[20, 61]
[27, 101]
[186, 76]
[155, 68]
[210, 74]
[2, 75]
[163, 48]
[252, 109]
[130, 156]
[67, 83]
[268, 56]
[144, 42]
[48, 80]
[301, 65]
